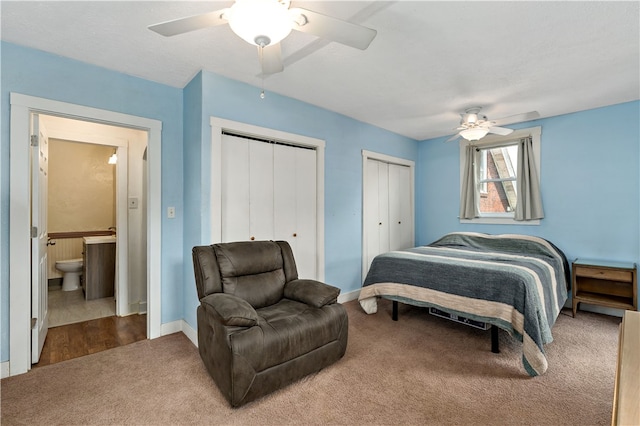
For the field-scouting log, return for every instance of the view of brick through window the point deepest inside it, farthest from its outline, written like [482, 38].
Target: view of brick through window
[498, 163]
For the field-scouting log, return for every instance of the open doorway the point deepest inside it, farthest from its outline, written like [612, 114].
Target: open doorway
[90, 195]
[98, 198]
[24, 298]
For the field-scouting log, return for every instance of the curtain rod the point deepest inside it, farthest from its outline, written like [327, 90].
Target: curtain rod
[499, 144]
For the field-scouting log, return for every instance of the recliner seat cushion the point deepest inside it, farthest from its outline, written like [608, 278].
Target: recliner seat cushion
[285, 331]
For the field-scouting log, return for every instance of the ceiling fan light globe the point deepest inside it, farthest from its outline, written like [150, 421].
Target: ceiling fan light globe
[259, 21]
[474, 134]
[471, 118]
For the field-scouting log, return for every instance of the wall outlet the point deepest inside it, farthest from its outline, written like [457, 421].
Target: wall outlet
[171, 212]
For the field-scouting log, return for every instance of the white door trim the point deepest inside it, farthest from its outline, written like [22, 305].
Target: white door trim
[19, 242]
[367, 155]
[218, 125]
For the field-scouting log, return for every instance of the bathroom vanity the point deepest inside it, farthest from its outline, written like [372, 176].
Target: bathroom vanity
[99, 266]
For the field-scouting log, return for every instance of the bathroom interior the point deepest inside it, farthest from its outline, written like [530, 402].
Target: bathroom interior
[96, 181]
[82, 229]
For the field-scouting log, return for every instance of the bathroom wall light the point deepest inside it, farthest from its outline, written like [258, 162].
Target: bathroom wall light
[113, 159]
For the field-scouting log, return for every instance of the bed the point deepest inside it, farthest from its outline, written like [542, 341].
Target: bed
[518, 283]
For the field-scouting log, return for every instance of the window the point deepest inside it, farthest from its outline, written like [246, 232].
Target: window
[495, 176]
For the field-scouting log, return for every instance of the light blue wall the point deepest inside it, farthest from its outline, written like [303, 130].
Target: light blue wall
[44, 75]
[194, 121]
[590, 182]
[345, 139]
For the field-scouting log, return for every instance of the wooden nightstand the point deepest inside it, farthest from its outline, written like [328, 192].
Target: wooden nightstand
[603, 283]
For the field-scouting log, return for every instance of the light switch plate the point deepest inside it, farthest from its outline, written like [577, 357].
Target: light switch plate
[133, 202]
[171, 212]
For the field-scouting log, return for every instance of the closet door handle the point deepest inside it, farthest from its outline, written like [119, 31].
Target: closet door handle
[252, 238]
[295, 235]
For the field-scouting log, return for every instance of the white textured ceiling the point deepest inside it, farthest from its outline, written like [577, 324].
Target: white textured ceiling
[429, 61]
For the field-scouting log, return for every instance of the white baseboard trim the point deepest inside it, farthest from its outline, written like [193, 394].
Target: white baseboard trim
[190, 333]
[595, 309]
[4, 370]
[171, 327]
[184, 327]
[599, 310]
[137, 308]
[347, 297]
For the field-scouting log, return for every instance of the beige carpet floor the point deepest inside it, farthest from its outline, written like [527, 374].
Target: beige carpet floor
[420, 370]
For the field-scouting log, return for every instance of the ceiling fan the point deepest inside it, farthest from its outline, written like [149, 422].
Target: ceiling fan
[264, 23]
[474, 126]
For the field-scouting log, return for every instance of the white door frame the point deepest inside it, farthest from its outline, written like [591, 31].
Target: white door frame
[367, 155]
[218, 125]
[19, 234]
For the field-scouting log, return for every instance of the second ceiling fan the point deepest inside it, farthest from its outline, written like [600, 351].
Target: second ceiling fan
[474, 126]
[264, 23]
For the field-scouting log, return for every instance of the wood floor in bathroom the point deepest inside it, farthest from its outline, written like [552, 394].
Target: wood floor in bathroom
[88, 337]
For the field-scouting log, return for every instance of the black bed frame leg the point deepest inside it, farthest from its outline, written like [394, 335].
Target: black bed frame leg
[495, 346]
[394, 311]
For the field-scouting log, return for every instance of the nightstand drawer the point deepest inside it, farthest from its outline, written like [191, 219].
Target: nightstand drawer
[603, 274]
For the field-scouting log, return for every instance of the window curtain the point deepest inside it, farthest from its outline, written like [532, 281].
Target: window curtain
[529, 205]
[468, 196]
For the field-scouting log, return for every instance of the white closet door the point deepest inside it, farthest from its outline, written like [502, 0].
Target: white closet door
[305, 234]
[383, 206]
[260, 191]
[377, 209]
[400, 209]
[269, 192]
[371, 218]
[295, 204]
[235, 189]
[284, 193]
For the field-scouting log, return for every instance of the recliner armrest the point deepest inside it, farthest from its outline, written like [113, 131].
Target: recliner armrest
[311, 292]
[230, 310]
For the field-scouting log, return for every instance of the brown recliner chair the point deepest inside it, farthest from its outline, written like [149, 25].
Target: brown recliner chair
[261, 328]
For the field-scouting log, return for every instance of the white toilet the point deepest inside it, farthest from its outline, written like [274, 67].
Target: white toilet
[72, 270]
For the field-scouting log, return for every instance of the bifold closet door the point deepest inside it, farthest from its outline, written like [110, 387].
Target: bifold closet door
[261, 207]
[269, 193]
[294, 195]
[388, 210]
[247, 190]
[235, 189]
[400, 209]
[377, 218]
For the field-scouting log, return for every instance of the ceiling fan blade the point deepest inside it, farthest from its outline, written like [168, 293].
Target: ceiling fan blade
[518, 118]
[190, 23]
[453, 138]
[332, 29]
[271, 59]
[502, 131]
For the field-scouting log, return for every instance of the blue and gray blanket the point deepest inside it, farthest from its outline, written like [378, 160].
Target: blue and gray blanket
[516, 282]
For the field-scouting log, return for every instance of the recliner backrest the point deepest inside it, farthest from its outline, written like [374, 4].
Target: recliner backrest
[252, 271]
[255, 271]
